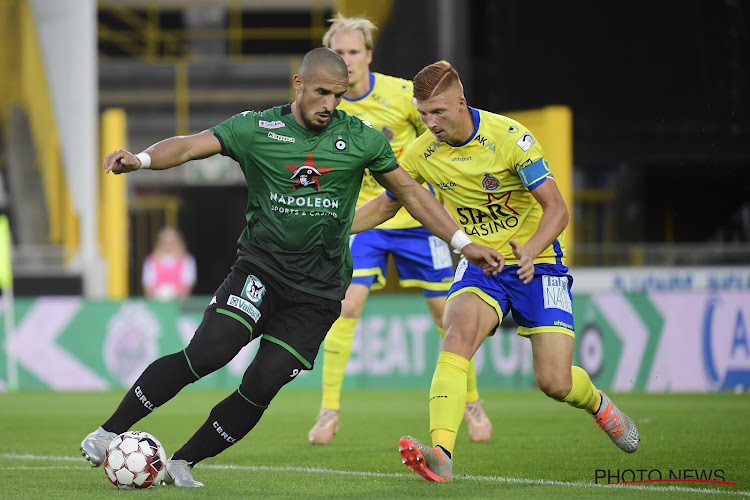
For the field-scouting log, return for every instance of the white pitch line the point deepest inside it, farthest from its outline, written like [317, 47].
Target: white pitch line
[318, 470]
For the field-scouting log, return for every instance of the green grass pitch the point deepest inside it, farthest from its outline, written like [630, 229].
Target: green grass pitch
[540, 449]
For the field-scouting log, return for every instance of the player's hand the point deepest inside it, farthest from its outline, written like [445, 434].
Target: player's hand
[121, 162]
[487, 258]
[525, 262]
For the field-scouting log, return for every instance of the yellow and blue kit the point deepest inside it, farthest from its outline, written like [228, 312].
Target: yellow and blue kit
[486, 184]
[422, 260]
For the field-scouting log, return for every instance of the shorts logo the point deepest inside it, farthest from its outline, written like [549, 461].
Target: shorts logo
[525, 142]
[244, 306]
[253, 290]
[339, 143]
[441, 253]
[556, 294]
[490, 182]
[276, 124]
[463, 264]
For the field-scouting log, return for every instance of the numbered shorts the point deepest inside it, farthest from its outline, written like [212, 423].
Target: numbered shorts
[543, 305]
[264, 306]
[422, 259]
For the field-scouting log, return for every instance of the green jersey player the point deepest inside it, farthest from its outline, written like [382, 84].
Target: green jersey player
[303, 163]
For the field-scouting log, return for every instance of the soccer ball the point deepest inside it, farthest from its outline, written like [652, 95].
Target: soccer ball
[135, 460]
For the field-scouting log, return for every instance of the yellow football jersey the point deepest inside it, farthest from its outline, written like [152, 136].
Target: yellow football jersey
[486, 182]
[388, 107]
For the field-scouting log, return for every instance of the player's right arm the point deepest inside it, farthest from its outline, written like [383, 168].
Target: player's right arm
[167, 153]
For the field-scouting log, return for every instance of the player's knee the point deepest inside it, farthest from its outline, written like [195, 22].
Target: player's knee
[351, 308]
[272, 368]
[553, 386]
[217, 340]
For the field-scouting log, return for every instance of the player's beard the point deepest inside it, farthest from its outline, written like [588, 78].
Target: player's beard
[309, 123]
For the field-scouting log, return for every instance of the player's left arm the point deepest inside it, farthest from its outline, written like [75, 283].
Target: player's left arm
[374, 212]
[424, 207]
[552, 223]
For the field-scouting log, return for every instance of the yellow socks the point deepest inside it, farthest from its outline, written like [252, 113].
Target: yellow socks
[447, 399]
[472, 393]
[337, 348]
[583, 394]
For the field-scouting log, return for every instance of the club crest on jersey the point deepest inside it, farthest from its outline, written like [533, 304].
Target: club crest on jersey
[253, 290]
[388, 133]
[274, 124]
[340, 143]
[490, 182]
[526, 141]
[307, 174]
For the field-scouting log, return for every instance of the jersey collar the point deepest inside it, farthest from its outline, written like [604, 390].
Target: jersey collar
[475, 118]
[369, 91]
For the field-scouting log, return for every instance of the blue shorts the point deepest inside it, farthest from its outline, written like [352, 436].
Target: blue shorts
[541, 306]
[422, 260]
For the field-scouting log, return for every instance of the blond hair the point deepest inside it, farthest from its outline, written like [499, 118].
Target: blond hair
[341, 23]
[435, 79]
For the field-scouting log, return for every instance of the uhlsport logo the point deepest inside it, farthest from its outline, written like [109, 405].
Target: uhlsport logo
[726, 344]
[307, 174]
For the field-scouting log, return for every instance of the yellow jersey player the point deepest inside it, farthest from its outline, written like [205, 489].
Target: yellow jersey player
[422, 260]
[498, 187]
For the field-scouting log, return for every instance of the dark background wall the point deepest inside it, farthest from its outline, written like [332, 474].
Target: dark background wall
[659, 92]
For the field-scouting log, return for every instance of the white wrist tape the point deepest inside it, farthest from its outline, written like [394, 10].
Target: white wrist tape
[459, 241]
[145, 160]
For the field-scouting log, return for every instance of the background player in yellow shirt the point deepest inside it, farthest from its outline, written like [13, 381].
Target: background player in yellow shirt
[422, 259]
[499, 188]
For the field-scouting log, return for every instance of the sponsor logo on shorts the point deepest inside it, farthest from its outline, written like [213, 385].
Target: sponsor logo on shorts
[463, 264]
[275, 124]
[244, 306]
[253, 290]
[556, 294]
[281, 138]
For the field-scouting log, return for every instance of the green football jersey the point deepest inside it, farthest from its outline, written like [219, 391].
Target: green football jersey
[302, 188]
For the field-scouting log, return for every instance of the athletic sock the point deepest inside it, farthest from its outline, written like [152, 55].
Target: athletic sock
[337, 349]
[447, 399]
[472, 392]
[229, 421]
[583, 394]
[158, 383]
